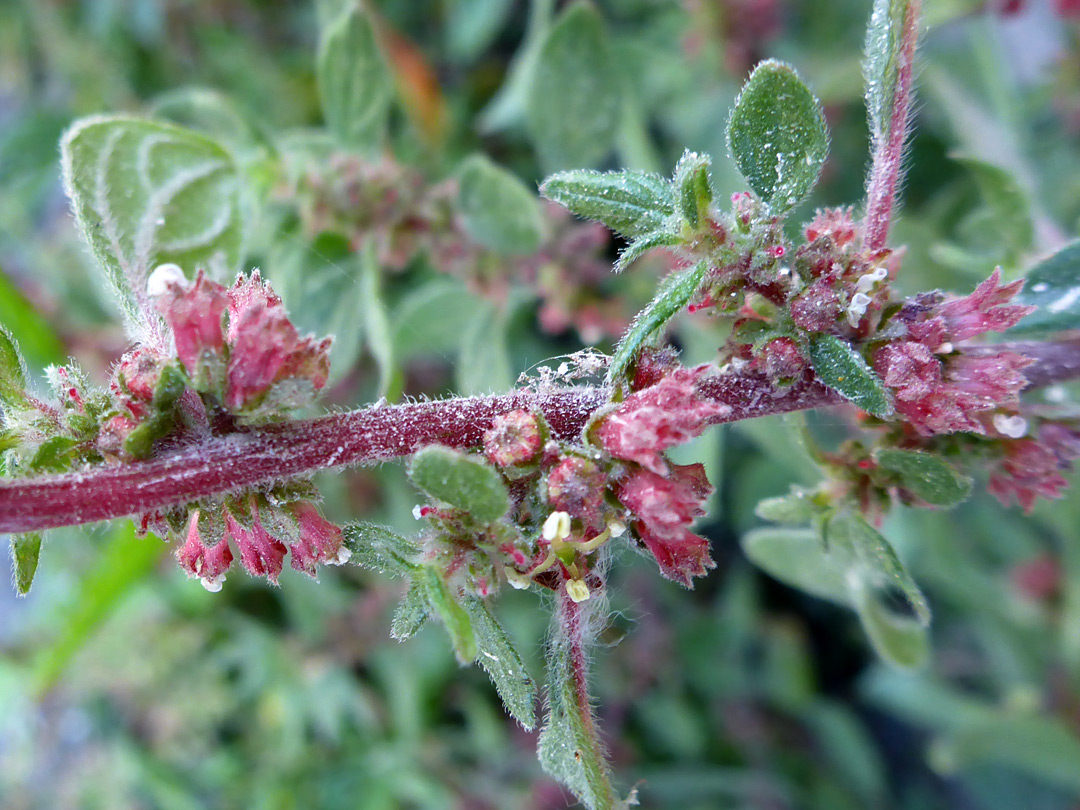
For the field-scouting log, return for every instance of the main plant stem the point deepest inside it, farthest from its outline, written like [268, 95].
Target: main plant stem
[264, 456]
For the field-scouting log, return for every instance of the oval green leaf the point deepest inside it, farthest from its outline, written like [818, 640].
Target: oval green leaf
[928, 477]
[777, 136]
[844, 370]
[464, 482]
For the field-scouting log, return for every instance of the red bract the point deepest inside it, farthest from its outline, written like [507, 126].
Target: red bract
[666, 414]
[194, 313]
[1027, 471]
[665, 506]
[985, 310]
[836, 223]
[260, 553]
[135, 378]
[207, 562]
[319, 540]
[947, 397]
[266, 348]
[576, 486]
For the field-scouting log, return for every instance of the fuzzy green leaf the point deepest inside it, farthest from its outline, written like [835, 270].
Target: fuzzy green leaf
[454, 617]
[1052, 285]
[844, 370]
[464, 482]
[146, 193]
[570, 748]
[503, 663]
[499, 211]
[777, 136]
[797, 557]
[796, 508]
[642, 245]
[675, 293]
[1008, 207]
[574, 99]
[930, 478]
[25, 550]
[693, 188]
[380, 549]
[634, 204]
[898, 639]
[412, 612]
[878, 563]
[355, 85]
[12, 371]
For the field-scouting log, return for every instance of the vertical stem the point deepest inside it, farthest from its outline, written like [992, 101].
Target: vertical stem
[892, 84]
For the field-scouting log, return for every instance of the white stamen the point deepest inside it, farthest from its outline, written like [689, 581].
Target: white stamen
[577, 590]
[617, 528]
[557, 526]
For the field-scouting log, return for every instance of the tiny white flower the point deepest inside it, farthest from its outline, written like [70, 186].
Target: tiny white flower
[1012, 426]
[617, 528]
[162, 276]
[857, 308]
[867, 281]
[213, 584]
[417, 512]
[343, 556]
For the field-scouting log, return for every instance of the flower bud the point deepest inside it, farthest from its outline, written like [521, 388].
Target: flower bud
[514, 438]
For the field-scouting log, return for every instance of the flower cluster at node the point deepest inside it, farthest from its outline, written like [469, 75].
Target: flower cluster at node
[262, 533]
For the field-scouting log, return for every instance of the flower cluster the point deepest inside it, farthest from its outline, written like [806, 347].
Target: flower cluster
[258, 364]
[939, 389]
[407, 217]
[1030, 467]
[262, 533]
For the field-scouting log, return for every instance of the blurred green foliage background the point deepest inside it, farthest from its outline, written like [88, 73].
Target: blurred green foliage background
[123, 685]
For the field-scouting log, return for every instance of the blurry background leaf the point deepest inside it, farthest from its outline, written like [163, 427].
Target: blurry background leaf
[574, 99]
[500, 212]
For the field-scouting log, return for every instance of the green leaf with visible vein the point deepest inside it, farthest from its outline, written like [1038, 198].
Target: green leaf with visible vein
[777, 136]
[12, 371]
[928, 477]
[412, 612]
[642, 245]
[798, 558]
[844, 370]
[355, 85]
[883, 51]
[146, 193]
[693, 187]
[675, 293]
[503, 663]
[381, 549]
[630, 203]
[454, 617]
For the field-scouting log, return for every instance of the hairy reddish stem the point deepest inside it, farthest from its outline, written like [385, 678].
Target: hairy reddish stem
[259, 458]
[889, 151]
